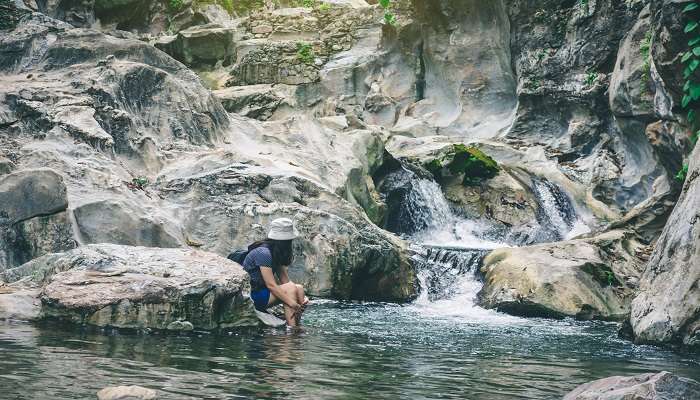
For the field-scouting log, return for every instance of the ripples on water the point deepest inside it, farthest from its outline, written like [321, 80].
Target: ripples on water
[348, 351]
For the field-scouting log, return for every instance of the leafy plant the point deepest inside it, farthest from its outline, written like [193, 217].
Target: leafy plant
[610, 278]
[682, 174]
[389, 17]
[176, 5]
[325, 7]
[691, 60]
[305, 53]
[591, 77]
[308, 3]
[140, 182]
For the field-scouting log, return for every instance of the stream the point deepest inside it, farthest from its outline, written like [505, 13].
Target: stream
[441, 346]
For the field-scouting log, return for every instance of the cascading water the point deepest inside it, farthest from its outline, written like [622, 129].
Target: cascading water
[448, 250]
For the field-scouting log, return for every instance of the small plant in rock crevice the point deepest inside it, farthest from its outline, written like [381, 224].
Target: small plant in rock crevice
[176, 5]
[305, 53]
[682, 174]
[591, 77]
[389, 17]
[644, 50]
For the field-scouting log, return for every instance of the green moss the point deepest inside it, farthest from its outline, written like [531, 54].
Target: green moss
[434, 167]
[475, 165]
[305, 53]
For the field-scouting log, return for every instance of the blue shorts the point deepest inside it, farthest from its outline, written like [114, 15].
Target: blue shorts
[260, 298]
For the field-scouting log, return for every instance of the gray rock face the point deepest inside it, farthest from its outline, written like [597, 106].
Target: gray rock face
[253, 101]
[122, 222]
[140, 287]
[659, 386]
[584, 278]
[667, 309]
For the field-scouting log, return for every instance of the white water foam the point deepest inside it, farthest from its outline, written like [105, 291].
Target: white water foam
[450, 248]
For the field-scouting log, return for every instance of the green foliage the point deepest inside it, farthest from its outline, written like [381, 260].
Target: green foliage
[305, 53]
[469, 161]
[682, 174]
[176, 5]
[306, 3]
[691, 87]
[591, 77]
[610, 277]
[325, 7]
[389, 17]
[139, 182]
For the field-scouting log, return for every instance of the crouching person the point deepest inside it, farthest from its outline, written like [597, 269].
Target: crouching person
[266, 263]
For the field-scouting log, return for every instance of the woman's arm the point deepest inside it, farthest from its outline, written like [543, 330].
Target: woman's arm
[271, 284]
[282, 275]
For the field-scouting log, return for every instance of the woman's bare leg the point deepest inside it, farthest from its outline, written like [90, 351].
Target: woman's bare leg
[302, 300]
[289, 313]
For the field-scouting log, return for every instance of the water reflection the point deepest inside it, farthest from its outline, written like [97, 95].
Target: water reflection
[349, 351]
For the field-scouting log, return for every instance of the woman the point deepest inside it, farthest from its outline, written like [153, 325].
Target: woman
[268, 259]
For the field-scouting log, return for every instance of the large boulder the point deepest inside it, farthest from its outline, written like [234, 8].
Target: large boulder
[33, 216]
[201, 46]
[667, 308]
[340, 252]
[140, 287]
[31, 193]
[659, 386]
[591, 278]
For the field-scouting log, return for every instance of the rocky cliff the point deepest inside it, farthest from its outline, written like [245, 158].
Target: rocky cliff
[192, 124]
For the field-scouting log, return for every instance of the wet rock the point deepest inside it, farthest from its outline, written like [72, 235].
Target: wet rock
[140, 287]
[659, 386]
[127, 393]
[583, 278]
[17, 303]
[666, 308]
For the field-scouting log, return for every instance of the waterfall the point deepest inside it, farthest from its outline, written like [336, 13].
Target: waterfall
[448, 250]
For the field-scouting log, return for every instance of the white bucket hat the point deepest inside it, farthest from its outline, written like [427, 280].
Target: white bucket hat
[282, 229]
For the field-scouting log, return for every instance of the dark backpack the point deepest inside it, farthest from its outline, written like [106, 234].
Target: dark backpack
[238, 256]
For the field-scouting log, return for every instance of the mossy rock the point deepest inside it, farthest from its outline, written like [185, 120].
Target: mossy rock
[474, 164]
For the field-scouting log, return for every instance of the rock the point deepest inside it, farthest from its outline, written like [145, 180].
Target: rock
[140, 287]
[127, 393]
[582, 278]
[74, 88]
[666, 310]
[200, 46]
[339, 254]
[631, 93]
[255, 101]
[659, 386]
[35, 237]
[180, 326]
[30, 193]
[122, 222]
[6, 166]
[19, 304]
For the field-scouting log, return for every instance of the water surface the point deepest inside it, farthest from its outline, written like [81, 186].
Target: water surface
[348, 351]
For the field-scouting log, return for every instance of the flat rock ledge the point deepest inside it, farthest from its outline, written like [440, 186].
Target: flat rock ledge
[659, 386]
[108, 285]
